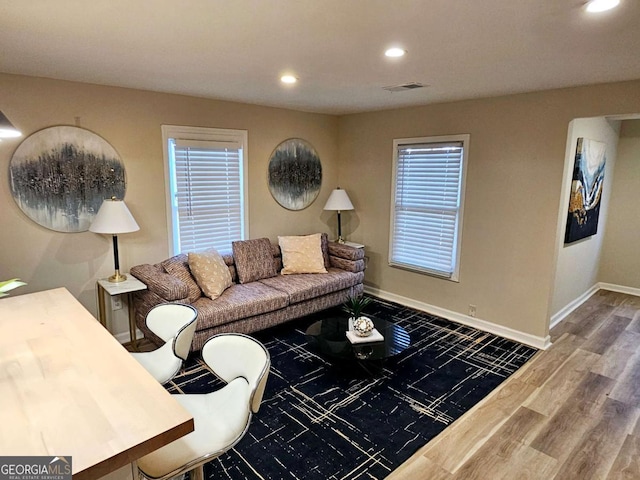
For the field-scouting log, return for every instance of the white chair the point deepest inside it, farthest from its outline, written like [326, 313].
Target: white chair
[221, 418]
[175, 324]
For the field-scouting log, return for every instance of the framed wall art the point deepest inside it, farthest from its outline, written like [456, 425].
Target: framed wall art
[59, 177]
[295, 174]
[586, 190]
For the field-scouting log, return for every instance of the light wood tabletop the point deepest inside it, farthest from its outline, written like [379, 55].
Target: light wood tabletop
[68, 388]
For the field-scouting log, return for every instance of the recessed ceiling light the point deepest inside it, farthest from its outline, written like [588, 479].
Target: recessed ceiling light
[595, 6]
[395, 52]
[288, 79]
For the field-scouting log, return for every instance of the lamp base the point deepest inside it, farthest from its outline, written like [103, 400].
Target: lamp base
[340, 240]
[116, 277]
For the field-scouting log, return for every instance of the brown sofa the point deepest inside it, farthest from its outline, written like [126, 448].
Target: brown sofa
[253, 306]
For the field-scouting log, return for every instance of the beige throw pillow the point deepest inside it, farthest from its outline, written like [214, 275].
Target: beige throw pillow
[302, 254]
[211, 273]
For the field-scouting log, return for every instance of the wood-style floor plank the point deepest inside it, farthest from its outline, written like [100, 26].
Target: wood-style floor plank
[542, 367]
[607, 334]
[454, 446]
[562, 383]
[525, 463]
[420, 467]
[627, 463]
[509, 441]
[613, 364]
[634, 326]
[567, 426]
[594, 455]
[586, 326]
[627, 387]
[572, 412]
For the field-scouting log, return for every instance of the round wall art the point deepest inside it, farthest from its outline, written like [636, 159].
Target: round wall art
[295, 174]
[59, 177]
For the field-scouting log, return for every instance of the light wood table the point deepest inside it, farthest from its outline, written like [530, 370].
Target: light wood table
[68, 388]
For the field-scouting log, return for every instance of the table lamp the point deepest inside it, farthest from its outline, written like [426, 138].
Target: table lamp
[339, 200]
[113, 218]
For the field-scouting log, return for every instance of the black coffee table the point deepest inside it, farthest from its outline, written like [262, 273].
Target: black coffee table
[328, 337]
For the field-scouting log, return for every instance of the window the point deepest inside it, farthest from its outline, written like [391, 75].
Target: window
[206, 187]
[427, 199]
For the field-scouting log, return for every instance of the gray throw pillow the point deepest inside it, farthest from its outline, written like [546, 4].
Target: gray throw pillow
[254, 259]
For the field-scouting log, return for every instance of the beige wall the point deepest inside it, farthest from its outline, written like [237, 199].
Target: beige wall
[578, 262]
[514, 178]
[130, 121]
[620, 263]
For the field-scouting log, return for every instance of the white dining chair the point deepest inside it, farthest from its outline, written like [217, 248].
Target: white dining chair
[222, 417]
[174, 323]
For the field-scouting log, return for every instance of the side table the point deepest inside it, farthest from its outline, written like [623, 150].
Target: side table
[130, 285]
[354, 245]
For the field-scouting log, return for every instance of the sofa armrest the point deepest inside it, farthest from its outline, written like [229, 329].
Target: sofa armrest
[345, 251]
[346, 258]
[167, 287]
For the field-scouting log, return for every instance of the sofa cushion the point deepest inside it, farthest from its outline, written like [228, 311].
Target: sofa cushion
[301, 287]
[178, 266]
[324, 242]
[161, 283]
[253, 259]
[237, 302]
[211, 272]
[302, 254]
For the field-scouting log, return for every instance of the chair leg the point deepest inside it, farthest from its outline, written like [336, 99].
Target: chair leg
[197, 473]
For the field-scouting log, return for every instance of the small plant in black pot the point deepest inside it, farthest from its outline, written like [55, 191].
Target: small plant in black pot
[354, 307]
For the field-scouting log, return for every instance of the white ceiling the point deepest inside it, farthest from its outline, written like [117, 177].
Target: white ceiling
[237, 49]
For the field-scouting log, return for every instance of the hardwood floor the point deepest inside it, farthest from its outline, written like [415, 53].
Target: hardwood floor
[571, 413]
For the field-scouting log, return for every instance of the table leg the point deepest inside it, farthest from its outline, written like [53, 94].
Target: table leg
[101, 310]
[132, 322]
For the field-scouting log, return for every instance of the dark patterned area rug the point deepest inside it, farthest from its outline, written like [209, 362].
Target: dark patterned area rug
[323, 421]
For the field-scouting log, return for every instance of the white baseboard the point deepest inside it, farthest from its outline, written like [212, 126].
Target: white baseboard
[620, 289]
[571, 306]
[541, 343]
[557, 317]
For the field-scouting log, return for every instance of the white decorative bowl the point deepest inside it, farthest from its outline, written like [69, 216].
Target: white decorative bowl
[363, 326]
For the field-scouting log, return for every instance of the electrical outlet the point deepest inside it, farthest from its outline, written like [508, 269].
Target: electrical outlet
[472, 310]
[116, 302]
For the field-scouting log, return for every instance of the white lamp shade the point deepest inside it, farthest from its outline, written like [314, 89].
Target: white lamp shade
[338, 200]
[114, 217]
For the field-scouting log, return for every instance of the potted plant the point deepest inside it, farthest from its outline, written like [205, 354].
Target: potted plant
[363, 326]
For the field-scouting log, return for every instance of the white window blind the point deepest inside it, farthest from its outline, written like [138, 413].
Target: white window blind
[426, 217]
[207, 197]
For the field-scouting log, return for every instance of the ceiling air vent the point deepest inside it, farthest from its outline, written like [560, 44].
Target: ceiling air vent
[403, 87]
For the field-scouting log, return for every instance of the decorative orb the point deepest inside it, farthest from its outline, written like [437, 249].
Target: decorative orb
[363, 326]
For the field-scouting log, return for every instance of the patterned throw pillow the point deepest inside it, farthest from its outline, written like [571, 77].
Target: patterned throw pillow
[211, 273]
[302, 254]
[254, 259]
